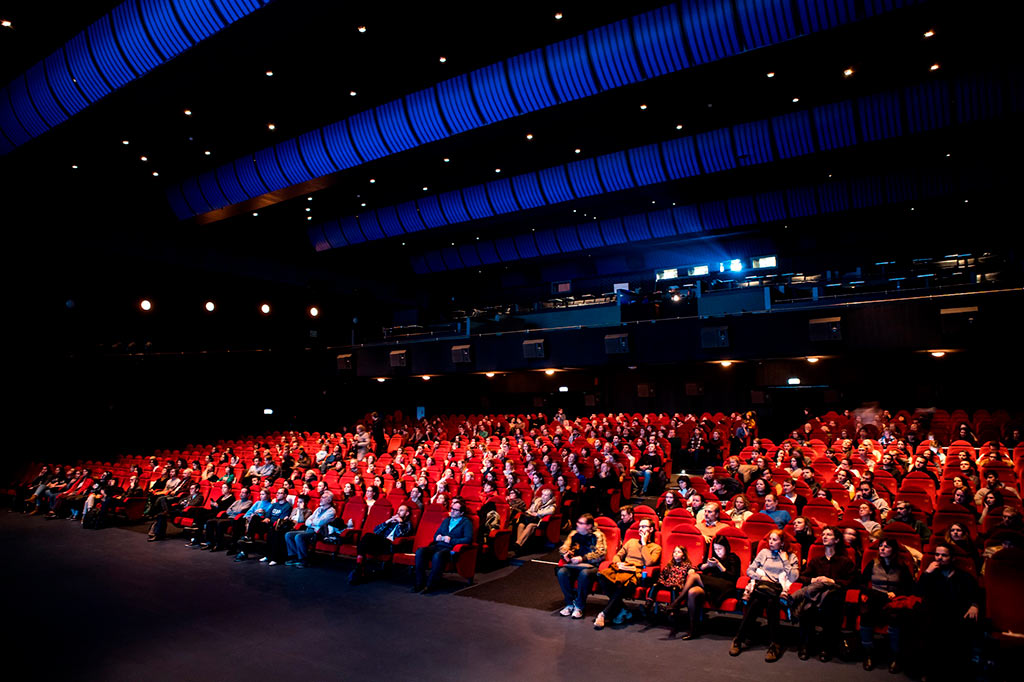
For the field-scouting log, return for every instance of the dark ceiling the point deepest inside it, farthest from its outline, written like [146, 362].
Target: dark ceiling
[108, 223]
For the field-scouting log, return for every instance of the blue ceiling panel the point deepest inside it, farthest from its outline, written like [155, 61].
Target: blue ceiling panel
[290, 160]
[753, 143]
[389, 222]
[555, 184]
[646, 164]
[502, 198]
[612, 54]
[425, 116]
[710, 30]
[394, 126]
[879, 116]
[835, 125]
[311, 145]
[793, 135]
[659, 40]
[526, 246]
[333, 234]
[771, 206]
[636, 227]
[477, 203]
[506, 249]
[430, 212]
[680, 158]
[454, 209]
[469, 256]
[457, 104]
[612, 231]
[229, 184]
[409, 214]
[568, 239]
[365, 136]
[369, 226]
[590, 235]
[583, 175]
[528, 75]
[570, 69]
[715, 147]
[527, 189]
[63, 87]
[339, 146]
[614, 171]
[547, 243]
[661, 223]
[492, 93]
[766, 22]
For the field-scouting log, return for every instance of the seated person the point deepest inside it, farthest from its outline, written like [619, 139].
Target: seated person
[670, 501]
[790, 493]
[453, 531]
[276, 550]
[201, 515]
[695, 504]
[683, 582]
[725, 488]
[543, 505]
[992, 483]
[626, 518]
[866, 517]
[172, 504]
[883, 580]
[709, 522]
[721, 570]
[867, 492]
[905, 514]
[739, 510]
[296, 542]
[771, 508]
[771, 573]
[820, 601]
[381, 541]
[624, 574]
[234, 518]
[583, 551]
[949, 598]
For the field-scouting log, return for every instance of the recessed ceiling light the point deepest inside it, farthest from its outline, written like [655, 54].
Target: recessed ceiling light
[933, 67]
[679, 126]
[362, 204]
[124, 141]
[489, 375]
[145, 304]
[207, 152]
[143, 158]
[381, 380]
[446, 159]
[6, 23]
[795, 100]
[352, 93]
[497, 170]
[577, 150]
[309, 198]
[442, 59]
[770, 74]
[255, 213]
[269, 74]
[549, 372]
[558, 15]
[938, 353]
[309, 217]
[74, 166]
[314, 311]
[361, 29]
[812, 360]
[210, 306]
[372, 181]
[643, 107]
[155, 174]
[848, 72]
[308, 210]
[188, 112]
[726, 363]
[529, 136]
[271, 126]
[426, 377]
[265, 309]
[425, 189]
[929, 34]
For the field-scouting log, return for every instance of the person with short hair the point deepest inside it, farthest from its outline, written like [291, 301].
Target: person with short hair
[626, 518]
[543, 505]
[381, 541]
[582, 553]
[950, 601]
[169, 505]
[455, 530]
[625, 573]
[232, 518]
[905, 514]
[771, 509]
[296, 542]
[883, 580]
[200, 515]
[709, 521]
[790, 493]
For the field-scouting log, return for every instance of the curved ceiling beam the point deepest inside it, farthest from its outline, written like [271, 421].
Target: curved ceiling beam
[645, 46]
[934, 104]
[133, 39]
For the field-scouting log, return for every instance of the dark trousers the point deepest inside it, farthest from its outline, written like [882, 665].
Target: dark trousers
[199, 516]
[755, 605]
[829, 616]
[616, 593]
[371, 543]
[275, 544]
[584, 577]
[217, 528]
[436, 554]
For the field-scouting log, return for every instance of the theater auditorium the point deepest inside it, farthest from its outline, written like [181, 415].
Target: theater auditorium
[502, 341]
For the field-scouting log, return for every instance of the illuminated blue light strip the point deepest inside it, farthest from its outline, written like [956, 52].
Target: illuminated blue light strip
[116, 49]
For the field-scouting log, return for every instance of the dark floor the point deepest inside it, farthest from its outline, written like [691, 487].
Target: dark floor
[106, 605]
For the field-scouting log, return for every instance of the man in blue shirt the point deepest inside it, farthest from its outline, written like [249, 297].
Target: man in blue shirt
[771, 508]
[454, 530]
[263, 521]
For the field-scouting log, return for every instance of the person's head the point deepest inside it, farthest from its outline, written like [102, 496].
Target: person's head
[842, 477]
[850, 537]
[776, 540]
[193, 489]
[993, 499]
[264, 495]
[720, 546]
[684, 482]
[991, 479]
[403, 512]
[513, 494]
[770, 502]
[830, 537]
[959, 482]
[626, 513]
[546, 494]
[282, 493]
[585, 524]
[866, 491]
[378, 481]
[962, 496]
[788, 487]
[696, 501]
[944, 555]
[800, 524]
[680, 555]
[321, 487]
[761, 487]
[808, 476]
[646, 528]
[739, 503]
[711, 512]
[887, 549]
[327, 499]
[957, 533]
[415, 494]
[225, 488]
[709, 473]
[904, 510]
[243, 494]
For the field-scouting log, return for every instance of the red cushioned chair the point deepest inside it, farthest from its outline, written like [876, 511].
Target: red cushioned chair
[378, 514]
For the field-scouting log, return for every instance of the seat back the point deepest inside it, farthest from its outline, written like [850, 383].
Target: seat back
[611, 533]
[354, 510]
[1004, 590]
[739, 544]
[693, 542]
[823, 512]
[379, 513]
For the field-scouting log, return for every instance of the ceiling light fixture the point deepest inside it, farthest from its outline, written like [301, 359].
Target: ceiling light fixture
[558, 15]
[265, 309]
[207, 152]
[210, 306]
[529, 136]
[74, 166]
[124, 141]
[381, 380]
[793, 381]
[679, 126]
[361, 29]
[446, 159]
[442, 59]
[848, 72]
[351, 93]
[314, 311]
[308, 209]
[426, 377]
[489, 375]
[549, 372]
[812, 360]
[643, 107]
[770, 74]
[425, 189]
[577, 150]
[726, 363]
[188, 112]
[795, 100]
[271, 126]
[938, 353]
[929, 33]
[362, 204]
[497, 170]
[143, 158]
[146, 305]
[934, 67]
[6, 23]
[269, 74]
[155, 174]
[372, 181]
[254, 214]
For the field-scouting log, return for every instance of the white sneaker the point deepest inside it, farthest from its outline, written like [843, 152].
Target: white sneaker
[567, 611]
[272, 563]
[264, 560]
[576, 613]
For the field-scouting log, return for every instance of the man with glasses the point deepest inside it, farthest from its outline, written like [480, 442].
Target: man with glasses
[582, 554]
[454, 530]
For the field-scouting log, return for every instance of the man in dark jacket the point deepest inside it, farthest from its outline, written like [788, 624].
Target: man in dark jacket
[381, 541]
[820, 601]
[950, 599]
[454, 530]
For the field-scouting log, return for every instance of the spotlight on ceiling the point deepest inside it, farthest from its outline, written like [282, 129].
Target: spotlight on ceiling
[529, 136]
[146, 305]
[361, 29]
[269, 74]
[426, 377]
[793, 381]
[938, 353]
[770, 74]
[442, 59]
[934, 67]
[381, 380]
[726, 363]
[563, 389]
[847, 72]
[188, 112]
[124, 141]
[271, 126]
[489, 375]
[812, 360]
[265, 309]
[314, 311]
[558, 15]
[549, 372]
[210, 306]
[929, 33]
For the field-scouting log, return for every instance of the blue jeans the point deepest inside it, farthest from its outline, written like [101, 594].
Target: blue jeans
[647, 480]
[297, 542]
[584, 577]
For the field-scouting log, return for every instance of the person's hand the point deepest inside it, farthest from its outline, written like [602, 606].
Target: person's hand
[448, 538]
[439, 538]
[892, 595]
[972, 613]
[933, 566]
[577, 560]
[623, 566]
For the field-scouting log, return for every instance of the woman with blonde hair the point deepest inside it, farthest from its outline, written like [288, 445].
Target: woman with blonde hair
[771, 573]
